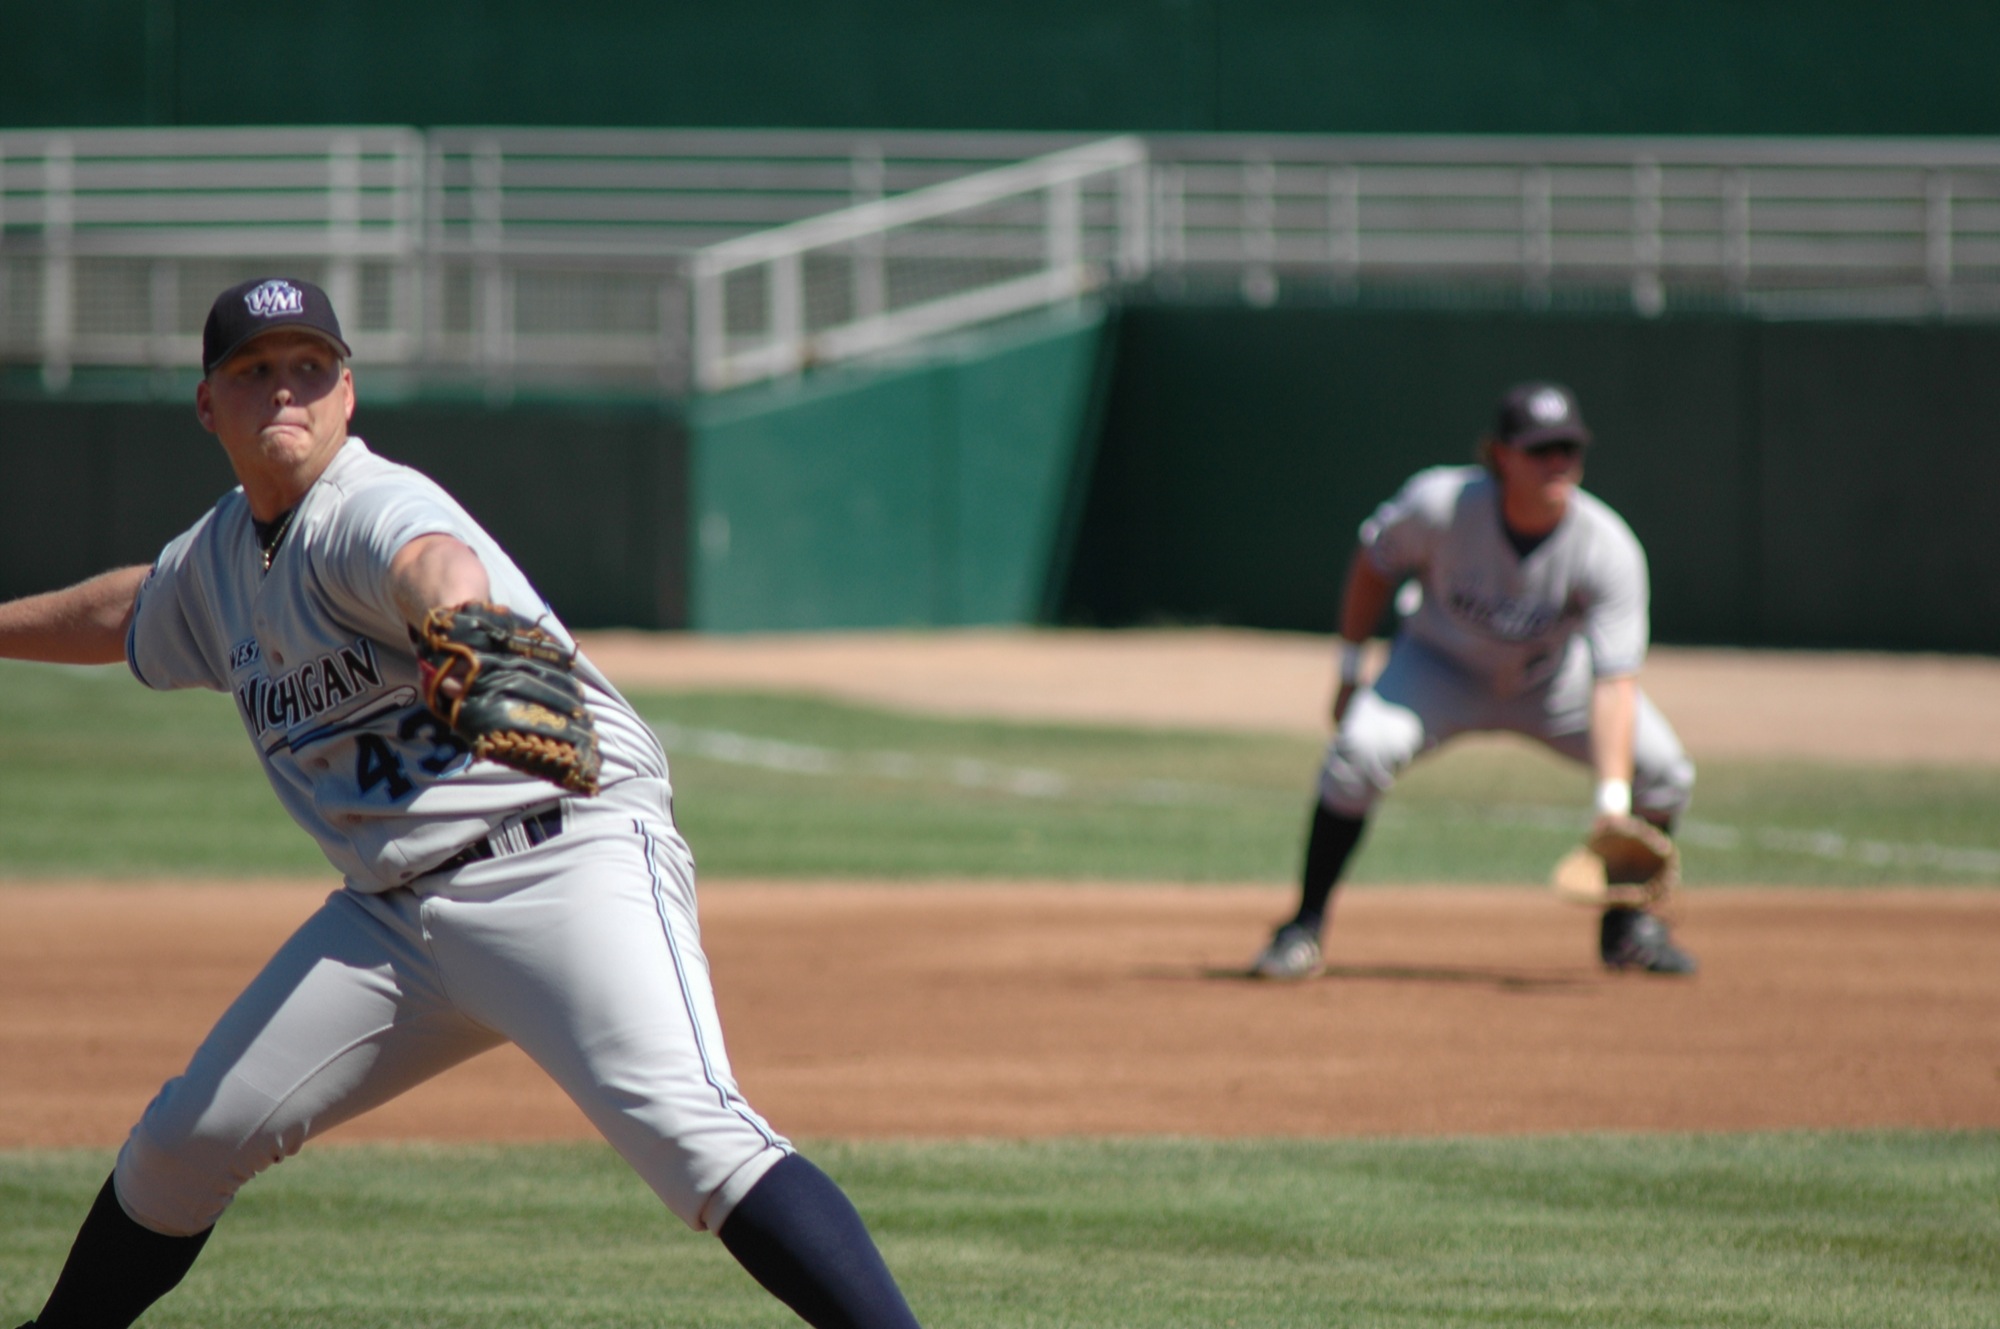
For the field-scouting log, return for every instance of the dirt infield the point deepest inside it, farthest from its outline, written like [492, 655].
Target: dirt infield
[1047, 1010]
[1823, 707]
[1030, 1009]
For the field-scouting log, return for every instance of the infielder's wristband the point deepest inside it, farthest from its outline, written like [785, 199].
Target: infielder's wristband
[1614, 798]
[1350, 664]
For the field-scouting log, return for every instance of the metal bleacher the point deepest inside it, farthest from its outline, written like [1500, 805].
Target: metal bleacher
[699, 259]
[1774, 228]
[490, 251]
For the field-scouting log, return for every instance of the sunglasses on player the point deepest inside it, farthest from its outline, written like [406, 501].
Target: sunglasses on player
[1568, 449]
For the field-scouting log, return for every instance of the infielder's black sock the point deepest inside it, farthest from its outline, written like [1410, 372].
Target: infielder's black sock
[799, 1236]
[115, 1270]
[1327, 850]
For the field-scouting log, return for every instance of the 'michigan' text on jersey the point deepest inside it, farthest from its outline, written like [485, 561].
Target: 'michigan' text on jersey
[318, 658]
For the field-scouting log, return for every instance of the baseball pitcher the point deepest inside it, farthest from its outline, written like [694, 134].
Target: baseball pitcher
[501, 818]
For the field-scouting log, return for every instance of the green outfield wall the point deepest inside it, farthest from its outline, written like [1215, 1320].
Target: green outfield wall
[936, 492]
[1794, 484]
[589, 500]
[1393, 66]
[940, 489]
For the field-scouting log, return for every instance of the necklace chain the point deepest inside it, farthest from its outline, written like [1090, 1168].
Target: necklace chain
[270, 546]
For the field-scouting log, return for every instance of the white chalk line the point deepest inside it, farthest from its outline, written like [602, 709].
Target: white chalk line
[1041, 783]
[1832, 846]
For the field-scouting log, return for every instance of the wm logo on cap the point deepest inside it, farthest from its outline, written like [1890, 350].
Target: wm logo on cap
[1548, 406]
[274, 298]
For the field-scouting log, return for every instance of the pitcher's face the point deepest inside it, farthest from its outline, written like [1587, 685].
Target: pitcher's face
[281, 403]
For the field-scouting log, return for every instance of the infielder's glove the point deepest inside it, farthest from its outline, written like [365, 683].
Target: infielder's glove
[1625, 861]
[518, 701]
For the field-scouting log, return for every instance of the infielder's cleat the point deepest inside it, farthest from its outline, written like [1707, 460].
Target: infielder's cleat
[1293, 954]
[1635, 940]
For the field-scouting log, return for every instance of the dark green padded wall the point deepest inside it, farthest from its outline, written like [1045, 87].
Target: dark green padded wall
[1794, 484]
[92, 486]
[590, 502]
[928, 493]
[1394, 66]
[1881, 467]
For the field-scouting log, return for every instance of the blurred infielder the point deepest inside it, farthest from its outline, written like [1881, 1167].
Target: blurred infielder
[1533, 619]
[413, 727]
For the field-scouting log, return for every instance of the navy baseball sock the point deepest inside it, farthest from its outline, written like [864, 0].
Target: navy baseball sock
[1327, 850]
[115, 1270]
[799, 1236]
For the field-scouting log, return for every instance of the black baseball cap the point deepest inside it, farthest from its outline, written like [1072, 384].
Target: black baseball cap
[250, 309]
[1532, 413]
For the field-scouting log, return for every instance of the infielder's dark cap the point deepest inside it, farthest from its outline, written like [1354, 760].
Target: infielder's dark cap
[1534, 413]
[263, 304]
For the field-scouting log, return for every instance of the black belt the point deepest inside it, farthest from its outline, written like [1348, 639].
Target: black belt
[512, 838]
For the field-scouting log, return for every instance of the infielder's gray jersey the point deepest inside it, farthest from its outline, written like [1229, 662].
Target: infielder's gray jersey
[1503, 618]
[334, 711]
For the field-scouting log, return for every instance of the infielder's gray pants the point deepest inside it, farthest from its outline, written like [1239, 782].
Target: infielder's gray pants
[1422, 700]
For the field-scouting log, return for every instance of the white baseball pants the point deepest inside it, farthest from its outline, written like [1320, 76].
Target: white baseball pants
[584, 950]
[1423, 699]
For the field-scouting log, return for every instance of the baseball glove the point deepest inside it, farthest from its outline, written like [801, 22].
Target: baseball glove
[1625, 861]
[507, 688]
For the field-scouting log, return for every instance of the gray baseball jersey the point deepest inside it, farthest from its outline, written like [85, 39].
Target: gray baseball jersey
[1501, 641]
[571, 930]
[355, 756]
[1501, 617]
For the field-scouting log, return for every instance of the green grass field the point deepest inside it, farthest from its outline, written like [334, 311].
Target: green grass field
[1869, 1230]
[1866, 1231]
[99, 776]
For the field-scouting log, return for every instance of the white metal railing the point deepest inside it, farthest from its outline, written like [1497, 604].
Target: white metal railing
[883, 273]
[112, 242]
[501, 252]
[1809, 227]
[567, 251]
[663, 257]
